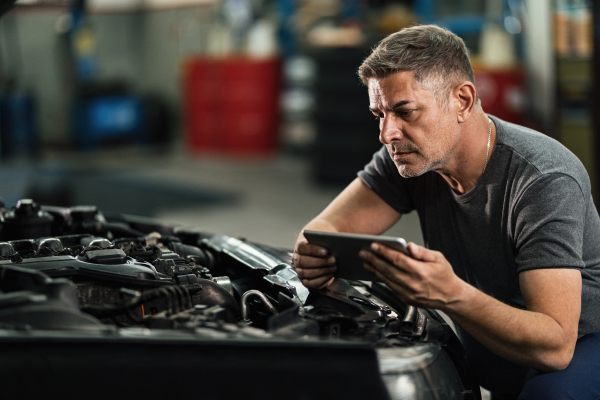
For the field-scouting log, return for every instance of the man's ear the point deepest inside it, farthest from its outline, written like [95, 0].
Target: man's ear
[464, 96]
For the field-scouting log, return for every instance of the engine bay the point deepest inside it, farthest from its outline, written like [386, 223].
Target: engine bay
[79, 271]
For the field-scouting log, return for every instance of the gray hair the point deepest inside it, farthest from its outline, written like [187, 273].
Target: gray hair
[438, 57]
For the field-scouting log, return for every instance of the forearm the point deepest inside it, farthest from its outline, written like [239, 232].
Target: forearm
[525, 337]
[356, 210]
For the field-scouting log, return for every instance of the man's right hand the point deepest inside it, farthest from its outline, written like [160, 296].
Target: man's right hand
[313, 264]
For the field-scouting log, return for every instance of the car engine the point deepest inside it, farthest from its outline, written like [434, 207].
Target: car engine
[99, 304]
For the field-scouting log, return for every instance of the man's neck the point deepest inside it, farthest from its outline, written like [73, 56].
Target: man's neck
[465, 166]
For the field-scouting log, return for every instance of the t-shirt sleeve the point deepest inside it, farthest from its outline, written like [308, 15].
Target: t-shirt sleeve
[549, 224]
[381, 175]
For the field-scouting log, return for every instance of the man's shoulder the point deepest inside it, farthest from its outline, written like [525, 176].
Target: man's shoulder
[537, 153]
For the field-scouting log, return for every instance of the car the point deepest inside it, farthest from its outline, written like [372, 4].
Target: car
[101, 304]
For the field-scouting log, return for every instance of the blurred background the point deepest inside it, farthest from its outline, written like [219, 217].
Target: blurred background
[246, 117]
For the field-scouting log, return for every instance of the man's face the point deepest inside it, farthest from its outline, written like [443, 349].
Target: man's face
[419, 134]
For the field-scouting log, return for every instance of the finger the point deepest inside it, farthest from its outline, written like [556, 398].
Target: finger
[421, 253]
[313, 273]
[303, 261]
[398, 258]
[381, 256]
[398, 287]
[384, 274]
[391, 272]
[308, 249]
[318, 283]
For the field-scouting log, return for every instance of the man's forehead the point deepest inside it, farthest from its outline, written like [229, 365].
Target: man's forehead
[375, 89]
[400, 86]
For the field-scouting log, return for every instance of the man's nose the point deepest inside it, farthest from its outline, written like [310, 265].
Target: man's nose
[389, 130]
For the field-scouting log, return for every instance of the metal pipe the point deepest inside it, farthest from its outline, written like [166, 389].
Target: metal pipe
[261, 296]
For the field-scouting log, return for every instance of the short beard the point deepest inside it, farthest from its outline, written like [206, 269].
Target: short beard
[412, 173]
[402, 170]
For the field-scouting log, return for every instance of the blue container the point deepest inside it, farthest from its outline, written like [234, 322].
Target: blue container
[112, 119]
[18, 137]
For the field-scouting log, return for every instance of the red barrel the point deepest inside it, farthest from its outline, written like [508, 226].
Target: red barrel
[232, 105]
[502, 93]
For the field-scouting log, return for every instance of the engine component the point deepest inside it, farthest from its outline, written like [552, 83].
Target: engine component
[213, 294]
[31, 300]
[6, 250]
[25, 221]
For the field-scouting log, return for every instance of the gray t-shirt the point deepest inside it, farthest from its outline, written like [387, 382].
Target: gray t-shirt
[532, 208]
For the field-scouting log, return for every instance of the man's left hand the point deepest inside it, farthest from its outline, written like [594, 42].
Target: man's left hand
[423, 279]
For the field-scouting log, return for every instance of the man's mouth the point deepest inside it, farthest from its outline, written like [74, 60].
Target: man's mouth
[401, 155]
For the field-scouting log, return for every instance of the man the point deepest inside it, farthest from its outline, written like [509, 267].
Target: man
[512, 235]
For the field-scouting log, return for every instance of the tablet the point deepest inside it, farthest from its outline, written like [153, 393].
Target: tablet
[345, 247]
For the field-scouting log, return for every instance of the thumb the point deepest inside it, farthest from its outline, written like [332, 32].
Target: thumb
[420, 253]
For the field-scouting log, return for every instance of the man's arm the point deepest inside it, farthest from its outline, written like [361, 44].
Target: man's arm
[542, 337]
[357, 209]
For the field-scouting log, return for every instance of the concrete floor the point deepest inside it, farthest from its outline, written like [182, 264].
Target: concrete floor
[276, 198]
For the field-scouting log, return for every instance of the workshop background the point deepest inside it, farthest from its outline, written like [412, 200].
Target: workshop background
[246, 117]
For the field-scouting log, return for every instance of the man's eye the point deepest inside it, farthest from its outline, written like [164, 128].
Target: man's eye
[404, 113]
[377, 117]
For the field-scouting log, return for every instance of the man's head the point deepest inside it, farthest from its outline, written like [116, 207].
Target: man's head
[439, 59]
[421, 90]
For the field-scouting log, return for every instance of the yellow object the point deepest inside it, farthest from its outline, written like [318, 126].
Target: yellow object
[84, 42]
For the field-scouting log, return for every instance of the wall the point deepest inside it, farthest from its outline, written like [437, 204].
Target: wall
[168, 37]
[30, 54]
[141, 46]
[539, 61]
